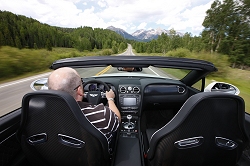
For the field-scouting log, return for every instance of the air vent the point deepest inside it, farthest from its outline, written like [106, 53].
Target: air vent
[181, 89]
[136, 89]
[122, 89]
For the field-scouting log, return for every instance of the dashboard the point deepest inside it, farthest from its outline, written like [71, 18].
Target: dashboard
[134, 94]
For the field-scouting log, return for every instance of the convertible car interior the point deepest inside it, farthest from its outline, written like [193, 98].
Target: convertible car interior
[168, 119]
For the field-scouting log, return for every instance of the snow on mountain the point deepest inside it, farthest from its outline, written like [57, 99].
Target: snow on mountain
[122, 33]
[142, 34]
[138, 32]
[149, 34]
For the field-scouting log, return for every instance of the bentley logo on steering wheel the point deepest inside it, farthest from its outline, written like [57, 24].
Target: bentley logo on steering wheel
[93, 95]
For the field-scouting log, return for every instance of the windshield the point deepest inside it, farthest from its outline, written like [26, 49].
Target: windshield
[151, 71]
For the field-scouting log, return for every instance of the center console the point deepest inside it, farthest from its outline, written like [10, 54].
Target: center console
[128, 148]
[129, 103]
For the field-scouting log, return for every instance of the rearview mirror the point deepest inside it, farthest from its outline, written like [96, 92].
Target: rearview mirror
[222, 87]
[129, 69]
[40, 84]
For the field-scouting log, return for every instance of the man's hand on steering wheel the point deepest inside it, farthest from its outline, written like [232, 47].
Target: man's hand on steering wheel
[110, 95]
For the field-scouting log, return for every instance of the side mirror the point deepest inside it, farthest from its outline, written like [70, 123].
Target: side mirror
[40, 84]
[222, 87]
[120, 68]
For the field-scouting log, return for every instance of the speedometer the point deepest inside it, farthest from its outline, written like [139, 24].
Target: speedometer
[92, 87]
[101, 87]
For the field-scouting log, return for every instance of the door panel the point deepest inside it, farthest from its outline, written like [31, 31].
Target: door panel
[10, 148]
[245, 159]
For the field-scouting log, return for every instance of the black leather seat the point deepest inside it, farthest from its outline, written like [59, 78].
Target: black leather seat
[209, 129]
[54, 131]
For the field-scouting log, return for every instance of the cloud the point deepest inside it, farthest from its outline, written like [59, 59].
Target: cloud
[56, 12]
[191, 18]
[126, 14]
[89, 18]
[101, 3]
[142, 25]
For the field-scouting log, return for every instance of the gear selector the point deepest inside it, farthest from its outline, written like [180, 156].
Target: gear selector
[129, 125]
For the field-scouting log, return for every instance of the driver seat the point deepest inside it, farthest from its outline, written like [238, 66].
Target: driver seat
[54, 131]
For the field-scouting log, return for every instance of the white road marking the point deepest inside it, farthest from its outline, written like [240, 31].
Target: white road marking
[153, 71]
[23, 80]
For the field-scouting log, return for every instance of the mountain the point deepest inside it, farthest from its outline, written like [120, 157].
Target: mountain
[148, 35]
[142, 34]
[122, 33]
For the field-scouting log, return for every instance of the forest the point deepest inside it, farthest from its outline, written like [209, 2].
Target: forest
[226, 32]
[23, 32]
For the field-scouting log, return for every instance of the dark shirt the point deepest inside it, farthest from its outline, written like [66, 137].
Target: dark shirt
[102, 118]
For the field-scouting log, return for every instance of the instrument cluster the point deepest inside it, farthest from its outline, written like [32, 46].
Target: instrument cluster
[97, 87]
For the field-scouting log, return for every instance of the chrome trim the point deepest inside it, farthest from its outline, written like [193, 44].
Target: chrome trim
[225, 143]
[123, 91]
[103, 94]
[70, 141]
[189, 142]
[136, 88]
[128, 125]
[93, 95]
[37, 139]
[180, 87]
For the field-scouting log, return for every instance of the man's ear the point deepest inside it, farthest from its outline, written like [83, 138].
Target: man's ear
[80, 91]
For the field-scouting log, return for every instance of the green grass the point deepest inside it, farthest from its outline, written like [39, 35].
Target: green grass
[241, 79]
[176, 73]
[20, 63]
[16, 63]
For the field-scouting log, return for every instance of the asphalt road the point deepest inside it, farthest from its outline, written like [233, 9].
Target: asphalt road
[12, 92]
[128, 51]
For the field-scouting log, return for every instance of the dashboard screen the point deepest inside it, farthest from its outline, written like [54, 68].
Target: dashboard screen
[129, 101]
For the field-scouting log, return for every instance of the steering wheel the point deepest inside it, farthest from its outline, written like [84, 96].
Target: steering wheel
[94, 97]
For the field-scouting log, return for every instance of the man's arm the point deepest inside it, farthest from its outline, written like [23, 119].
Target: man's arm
[110, 97]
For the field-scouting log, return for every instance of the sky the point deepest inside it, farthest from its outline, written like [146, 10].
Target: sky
[130, 15]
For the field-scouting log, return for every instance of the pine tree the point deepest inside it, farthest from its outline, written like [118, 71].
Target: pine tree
[48, 45]
[2, 41]
[18, 43]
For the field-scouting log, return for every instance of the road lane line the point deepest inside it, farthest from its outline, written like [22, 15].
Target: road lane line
[104, 70]
[153, 71]
[23, 80]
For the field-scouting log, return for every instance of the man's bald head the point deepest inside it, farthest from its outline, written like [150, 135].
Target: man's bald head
[64, 79]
